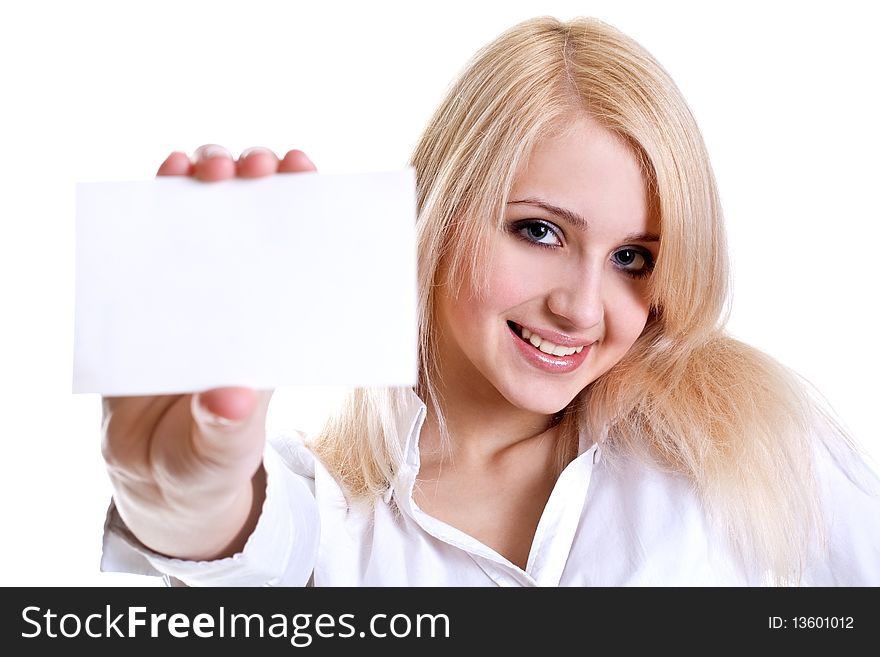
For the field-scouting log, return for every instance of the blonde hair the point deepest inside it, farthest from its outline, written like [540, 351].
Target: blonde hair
[686, 396]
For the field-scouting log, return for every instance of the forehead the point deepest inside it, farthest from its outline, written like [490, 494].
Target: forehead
[584, 167]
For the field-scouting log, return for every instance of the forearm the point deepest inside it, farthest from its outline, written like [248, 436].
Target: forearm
[194, 525]
[280, 551]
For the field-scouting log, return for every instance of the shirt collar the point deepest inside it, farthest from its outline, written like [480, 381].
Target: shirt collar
[410, 417]
[409, 425]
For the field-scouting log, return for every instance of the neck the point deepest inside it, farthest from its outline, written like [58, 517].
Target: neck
[482, 425]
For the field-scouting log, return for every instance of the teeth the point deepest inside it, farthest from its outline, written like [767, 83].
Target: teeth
[548, 347]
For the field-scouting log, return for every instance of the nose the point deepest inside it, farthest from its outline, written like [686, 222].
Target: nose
[578, 297]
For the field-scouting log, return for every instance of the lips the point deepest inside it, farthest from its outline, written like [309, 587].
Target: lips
[545, 344]
[547, 355]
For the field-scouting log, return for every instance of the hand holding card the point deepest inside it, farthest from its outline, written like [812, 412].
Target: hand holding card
[253, 280]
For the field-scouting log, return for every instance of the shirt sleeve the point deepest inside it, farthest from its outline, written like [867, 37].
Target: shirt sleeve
[281, 551]
[850, 493]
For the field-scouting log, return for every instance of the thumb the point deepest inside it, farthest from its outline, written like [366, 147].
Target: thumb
[224, 408]
[231, 425]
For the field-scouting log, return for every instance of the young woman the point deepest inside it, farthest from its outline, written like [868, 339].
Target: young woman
[581, 417]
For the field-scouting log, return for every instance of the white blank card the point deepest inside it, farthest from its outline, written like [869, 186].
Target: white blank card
[291, 279]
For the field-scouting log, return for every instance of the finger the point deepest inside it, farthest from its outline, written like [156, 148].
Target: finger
[256, 162]
[125, 423]
[213, 162]
[231, 424]
[296, 162]
[176, 164]
[224, 406]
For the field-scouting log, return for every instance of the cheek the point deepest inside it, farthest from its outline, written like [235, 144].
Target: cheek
[508, 286]
[471, 315]
[626, 315]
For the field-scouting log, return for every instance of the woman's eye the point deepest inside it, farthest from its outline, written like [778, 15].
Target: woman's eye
[635, 262]
[538, 232]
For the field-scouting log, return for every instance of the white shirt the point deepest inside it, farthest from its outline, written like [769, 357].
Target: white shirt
[627, 525]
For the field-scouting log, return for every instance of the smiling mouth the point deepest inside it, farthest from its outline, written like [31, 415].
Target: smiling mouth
[541, 344]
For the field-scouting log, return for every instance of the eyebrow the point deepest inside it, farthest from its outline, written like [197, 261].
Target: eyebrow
[578, 221]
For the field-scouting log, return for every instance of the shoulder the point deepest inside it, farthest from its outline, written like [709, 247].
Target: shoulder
[842, 469]
[849, 491]
[848, 482]
[294, 453]
[651, 525]
[290, 453]
[654, 500]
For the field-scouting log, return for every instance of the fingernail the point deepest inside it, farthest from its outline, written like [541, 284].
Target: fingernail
[220, 421]
[212, 150]
[255, 149]
[207, 418]
[299, 158]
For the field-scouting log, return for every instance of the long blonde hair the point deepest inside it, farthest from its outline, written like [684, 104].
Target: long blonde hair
[686, 395]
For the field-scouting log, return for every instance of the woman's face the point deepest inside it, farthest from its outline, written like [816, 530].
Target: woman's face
[567, 283]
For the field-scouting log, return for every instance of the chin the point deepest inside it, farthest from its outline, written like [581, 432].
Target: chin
[549, 404]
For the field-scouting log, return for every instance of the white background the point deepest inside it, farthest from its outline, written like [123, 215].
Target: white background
[784, 92]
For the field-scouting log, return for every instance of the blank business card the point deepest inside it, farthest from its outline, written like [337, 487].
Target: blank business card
[293, 279]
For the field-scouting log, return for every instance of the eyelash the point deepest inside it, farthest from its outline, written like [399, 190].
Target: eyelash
[645, 271]
[518, 228]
